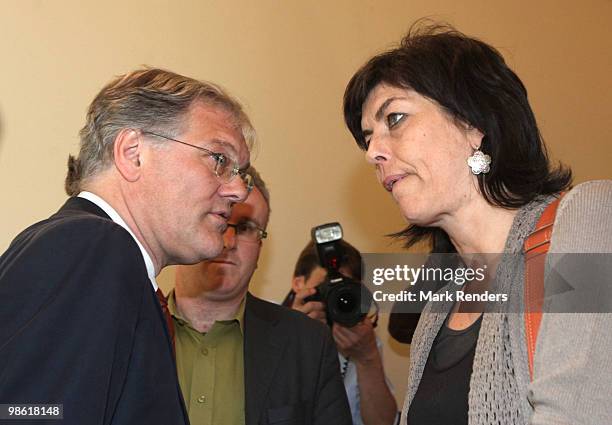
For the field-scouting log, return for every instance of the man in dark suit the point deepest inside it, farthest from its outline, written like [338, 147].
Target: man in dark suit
[158, 171]
[242, 360]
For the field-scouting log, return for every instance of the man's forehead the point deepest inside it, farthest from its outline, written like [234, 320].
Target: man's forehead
[317, 275]
[223, 130]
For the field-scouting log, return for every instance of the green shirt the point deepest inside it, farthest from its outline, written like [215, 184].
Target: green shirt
[211, 369]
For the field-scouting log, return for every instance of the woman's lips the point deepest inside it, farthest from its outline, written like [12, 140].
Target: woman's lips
[389, 181]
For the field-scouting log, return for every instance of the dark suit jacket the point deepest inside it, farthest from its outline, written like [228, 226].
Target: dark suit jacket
[81, 325]
[292, 375]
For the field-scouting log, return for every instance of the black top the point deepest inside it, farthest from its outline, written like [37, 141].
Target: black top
[442, 396]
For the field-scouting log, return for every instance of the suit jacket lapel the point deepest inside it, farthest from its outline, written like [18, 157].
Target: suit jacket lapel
[75, 205]
[264, 346]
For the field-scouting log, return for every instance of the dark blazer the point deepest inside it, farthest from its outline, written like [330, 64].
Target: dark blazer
[292, 374]
[81, 325]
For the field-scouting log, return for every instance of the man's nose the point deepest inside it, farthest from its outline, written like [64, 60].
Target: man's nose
[235, 190]
[229, 238]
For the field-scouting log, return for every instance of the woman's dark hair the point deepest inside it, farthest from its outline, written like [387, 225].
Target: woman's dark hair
[472, 83]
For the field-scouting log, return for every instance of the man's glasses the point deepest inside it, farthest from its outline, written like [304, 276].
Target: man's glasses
[225, 169]
[247, 231]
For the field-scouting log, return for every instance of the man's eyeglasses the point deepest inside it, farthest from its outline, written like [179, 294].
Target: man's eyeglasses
[248, 231]
[225, 169]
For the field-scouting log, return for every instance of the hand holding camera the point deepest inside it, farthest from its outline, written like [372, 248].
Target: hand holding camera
[357, 342]
[313, 309]
[346, 300]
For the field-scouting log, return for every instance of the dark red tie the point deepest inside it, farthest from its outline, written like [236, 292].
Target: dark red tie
[164, 306]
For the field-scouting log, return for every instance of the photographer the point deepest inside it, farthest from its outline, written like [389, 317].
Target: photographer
[361, 365]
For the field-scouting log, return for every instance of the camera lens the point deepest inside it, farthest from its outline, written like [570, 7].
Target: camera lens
[346, 302]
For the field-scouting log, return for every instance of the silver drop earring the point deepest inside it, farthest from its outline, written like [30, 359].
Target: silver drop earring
[479, 162]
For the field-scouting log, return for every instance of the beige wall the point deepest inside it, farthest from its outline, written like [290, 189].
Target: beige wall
[288, 61]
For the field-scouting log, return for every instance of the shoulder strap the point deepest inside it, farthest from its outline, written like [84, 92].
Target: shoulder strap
[535, 247]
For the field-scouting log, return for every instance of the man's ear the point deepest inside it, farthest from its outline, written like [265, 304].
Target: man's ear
[126, 151]
[298, 283]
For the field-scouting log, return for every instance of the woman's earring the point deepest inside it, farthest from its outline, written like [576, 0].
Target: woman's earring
[479, 162]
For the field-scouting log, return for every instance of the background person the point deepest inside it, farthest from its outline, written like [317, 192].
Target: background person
[242, 360]
[454, 141]
[81, 323]
[359, 349]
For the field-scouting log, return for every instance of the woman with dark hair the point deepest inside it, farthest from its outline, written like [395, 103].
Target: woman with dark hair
[454, 140]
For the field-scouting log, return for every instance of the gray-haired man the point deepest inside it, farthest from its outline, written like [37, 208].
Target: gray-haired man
[160, 165]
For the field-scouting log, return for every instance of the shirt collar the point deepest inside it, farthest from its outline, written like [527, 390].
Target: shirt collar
[239, 316]
[114, 215]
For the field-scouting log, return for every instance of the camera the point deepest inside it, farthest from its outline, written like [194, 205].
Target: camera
[346, 300]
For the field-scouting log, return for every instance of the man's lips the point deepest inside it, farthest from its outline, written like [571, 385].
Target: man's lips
[223, 214]
[222, 261]
[389, 181]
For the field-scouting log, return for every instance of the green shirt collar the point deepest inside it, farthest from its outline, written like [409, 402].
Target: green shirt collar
[174, 312]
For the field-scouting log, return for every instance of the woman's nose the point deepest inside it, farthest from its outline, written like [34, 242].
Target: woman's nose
[377, 151]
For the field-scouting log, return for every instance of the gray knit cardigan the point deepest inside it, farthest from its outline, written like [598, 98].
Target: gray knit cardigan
[573, 363]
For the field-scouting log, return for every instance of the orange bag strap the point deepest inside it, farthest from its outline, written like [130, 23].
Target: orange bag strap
[535, 247]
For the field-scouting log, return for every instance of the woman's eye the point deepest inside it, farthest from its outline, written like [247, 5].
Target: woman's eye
[394, 118]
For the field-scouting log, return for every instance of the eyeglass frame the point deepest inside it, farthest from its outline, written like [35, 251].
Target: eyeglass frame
[246, 178]
[261, 232]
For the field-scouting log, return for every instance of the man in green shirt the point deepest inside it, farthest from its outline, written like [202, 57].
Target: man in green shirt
[242, 360]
